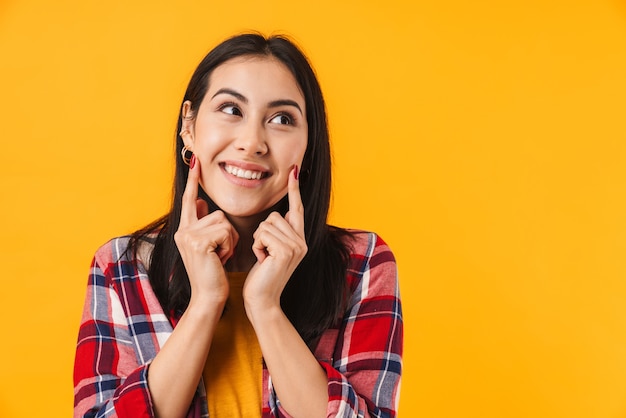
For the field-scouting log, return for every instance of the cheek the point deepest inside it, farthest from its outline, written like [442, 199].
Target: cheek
[208, 142]
[292, 156]
[299, 151]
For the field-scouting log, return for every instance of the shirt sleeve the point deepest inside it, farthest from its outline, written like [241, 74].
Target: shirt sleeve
[108, 379]
[364, 374]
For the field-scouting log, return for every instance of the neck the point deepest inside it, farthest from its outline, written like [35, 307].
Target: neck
[243, 259]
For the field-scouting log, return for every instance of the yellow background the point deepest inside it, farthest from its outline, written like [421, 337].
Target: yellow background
[484, 140]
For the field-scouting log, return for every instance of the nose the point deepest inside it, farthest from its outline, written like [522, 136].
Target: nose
[252, 140]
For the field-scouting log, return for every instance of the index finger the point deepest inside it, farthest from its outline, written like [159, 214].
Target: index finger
[189, 211]
[295, 216]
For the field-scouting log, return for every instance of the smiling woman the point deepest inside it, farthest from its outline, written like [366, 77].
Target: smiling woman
[242, 301]
[252, 106]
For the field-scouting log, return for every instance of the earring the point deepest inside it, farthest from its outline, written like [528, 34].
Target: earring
[186, 153]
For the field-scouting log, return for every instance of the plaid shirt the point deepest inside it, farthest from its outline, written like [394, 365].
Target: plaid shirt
[123, 327]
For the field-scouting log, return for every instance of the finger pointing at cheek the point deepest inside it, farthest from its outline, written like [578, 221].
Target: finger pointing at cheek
[295, 216]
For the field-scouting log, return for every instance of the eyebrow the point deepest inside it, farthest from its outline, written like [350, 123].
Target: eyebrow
[275, 103]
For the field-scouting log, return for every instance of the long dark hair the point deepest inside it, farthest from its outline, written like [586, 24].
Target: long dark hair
[315, 295]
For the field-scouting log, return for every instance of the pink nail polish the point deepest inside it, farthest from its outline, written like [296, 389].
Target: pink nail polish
[193, 161]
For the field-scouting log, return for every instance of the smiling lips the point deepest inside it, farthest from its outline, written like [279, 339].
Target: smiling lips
[244, 174]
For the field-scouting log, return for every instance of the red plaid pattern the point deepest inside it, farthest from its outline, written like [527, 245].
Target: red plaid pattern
[123, 327]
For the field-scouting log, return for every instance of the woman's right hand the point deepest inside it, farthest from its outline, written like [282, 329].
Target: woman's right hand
[205, 241]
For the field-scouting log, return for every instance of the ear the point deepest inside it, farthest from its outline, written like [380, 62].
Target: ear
[187, 129]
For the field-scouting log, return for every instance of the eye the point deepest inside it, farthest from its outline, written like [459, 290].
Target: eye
[282, 119]
[230, 109]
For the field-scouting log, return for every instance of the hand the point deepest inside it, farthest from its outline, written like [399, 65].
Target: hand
[205, 241]
[279, 246]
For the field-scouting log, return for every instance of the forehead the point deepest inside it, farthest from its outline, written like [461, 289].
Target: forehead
[256, 77]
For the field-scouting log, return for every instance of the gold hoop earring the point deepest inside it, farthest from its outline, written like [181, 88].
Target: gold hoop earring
[186, 153]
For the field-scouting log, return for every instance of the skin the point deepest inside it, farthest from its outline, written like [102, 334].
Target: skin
[253, 117]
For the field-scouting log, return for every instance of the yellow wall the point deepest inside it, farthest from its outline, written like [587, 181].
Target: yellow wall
[484, 140]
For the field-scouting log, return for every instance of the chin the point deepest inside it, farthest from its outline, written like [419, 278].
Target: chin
[241, 210]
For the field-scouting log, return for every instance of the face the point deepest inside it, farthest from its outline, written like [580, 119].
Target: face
[248, 133]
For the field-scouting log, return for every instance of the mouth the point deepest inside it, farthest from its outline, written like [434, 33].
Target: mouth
[245, 173]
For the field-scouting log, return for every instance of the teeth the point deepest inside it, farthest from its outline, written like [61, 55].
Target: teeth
[244, 174]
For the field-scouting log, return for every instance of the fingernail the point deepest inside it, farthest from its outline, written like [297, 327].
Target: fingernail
[295, 172]
[193, 161]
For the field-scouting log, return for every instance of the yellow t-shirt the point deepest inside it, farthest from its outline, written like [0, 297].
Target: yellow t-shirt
[233, 371]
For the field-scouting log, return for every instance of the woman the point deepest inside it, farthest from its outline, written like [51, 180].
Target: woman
[242, 301]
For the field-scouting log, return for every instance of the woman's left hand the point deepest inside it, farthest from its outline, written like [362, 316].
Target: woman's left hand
[279, 246]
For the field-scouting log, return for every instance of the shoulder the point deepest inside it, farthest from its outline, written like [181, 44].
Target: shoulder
[371, 261]
[124, 250]
[113, 251]
[369, 247]
[121, 258]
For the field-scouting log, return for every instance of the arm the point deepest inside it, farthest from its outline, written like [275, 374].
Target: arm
[368, 356]
[279, 246]
[367, 378]
[297, 377]
[108, 378]
[110, 359]
[364, 377]
[175, 372]
[120, 370]
[205, 241]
